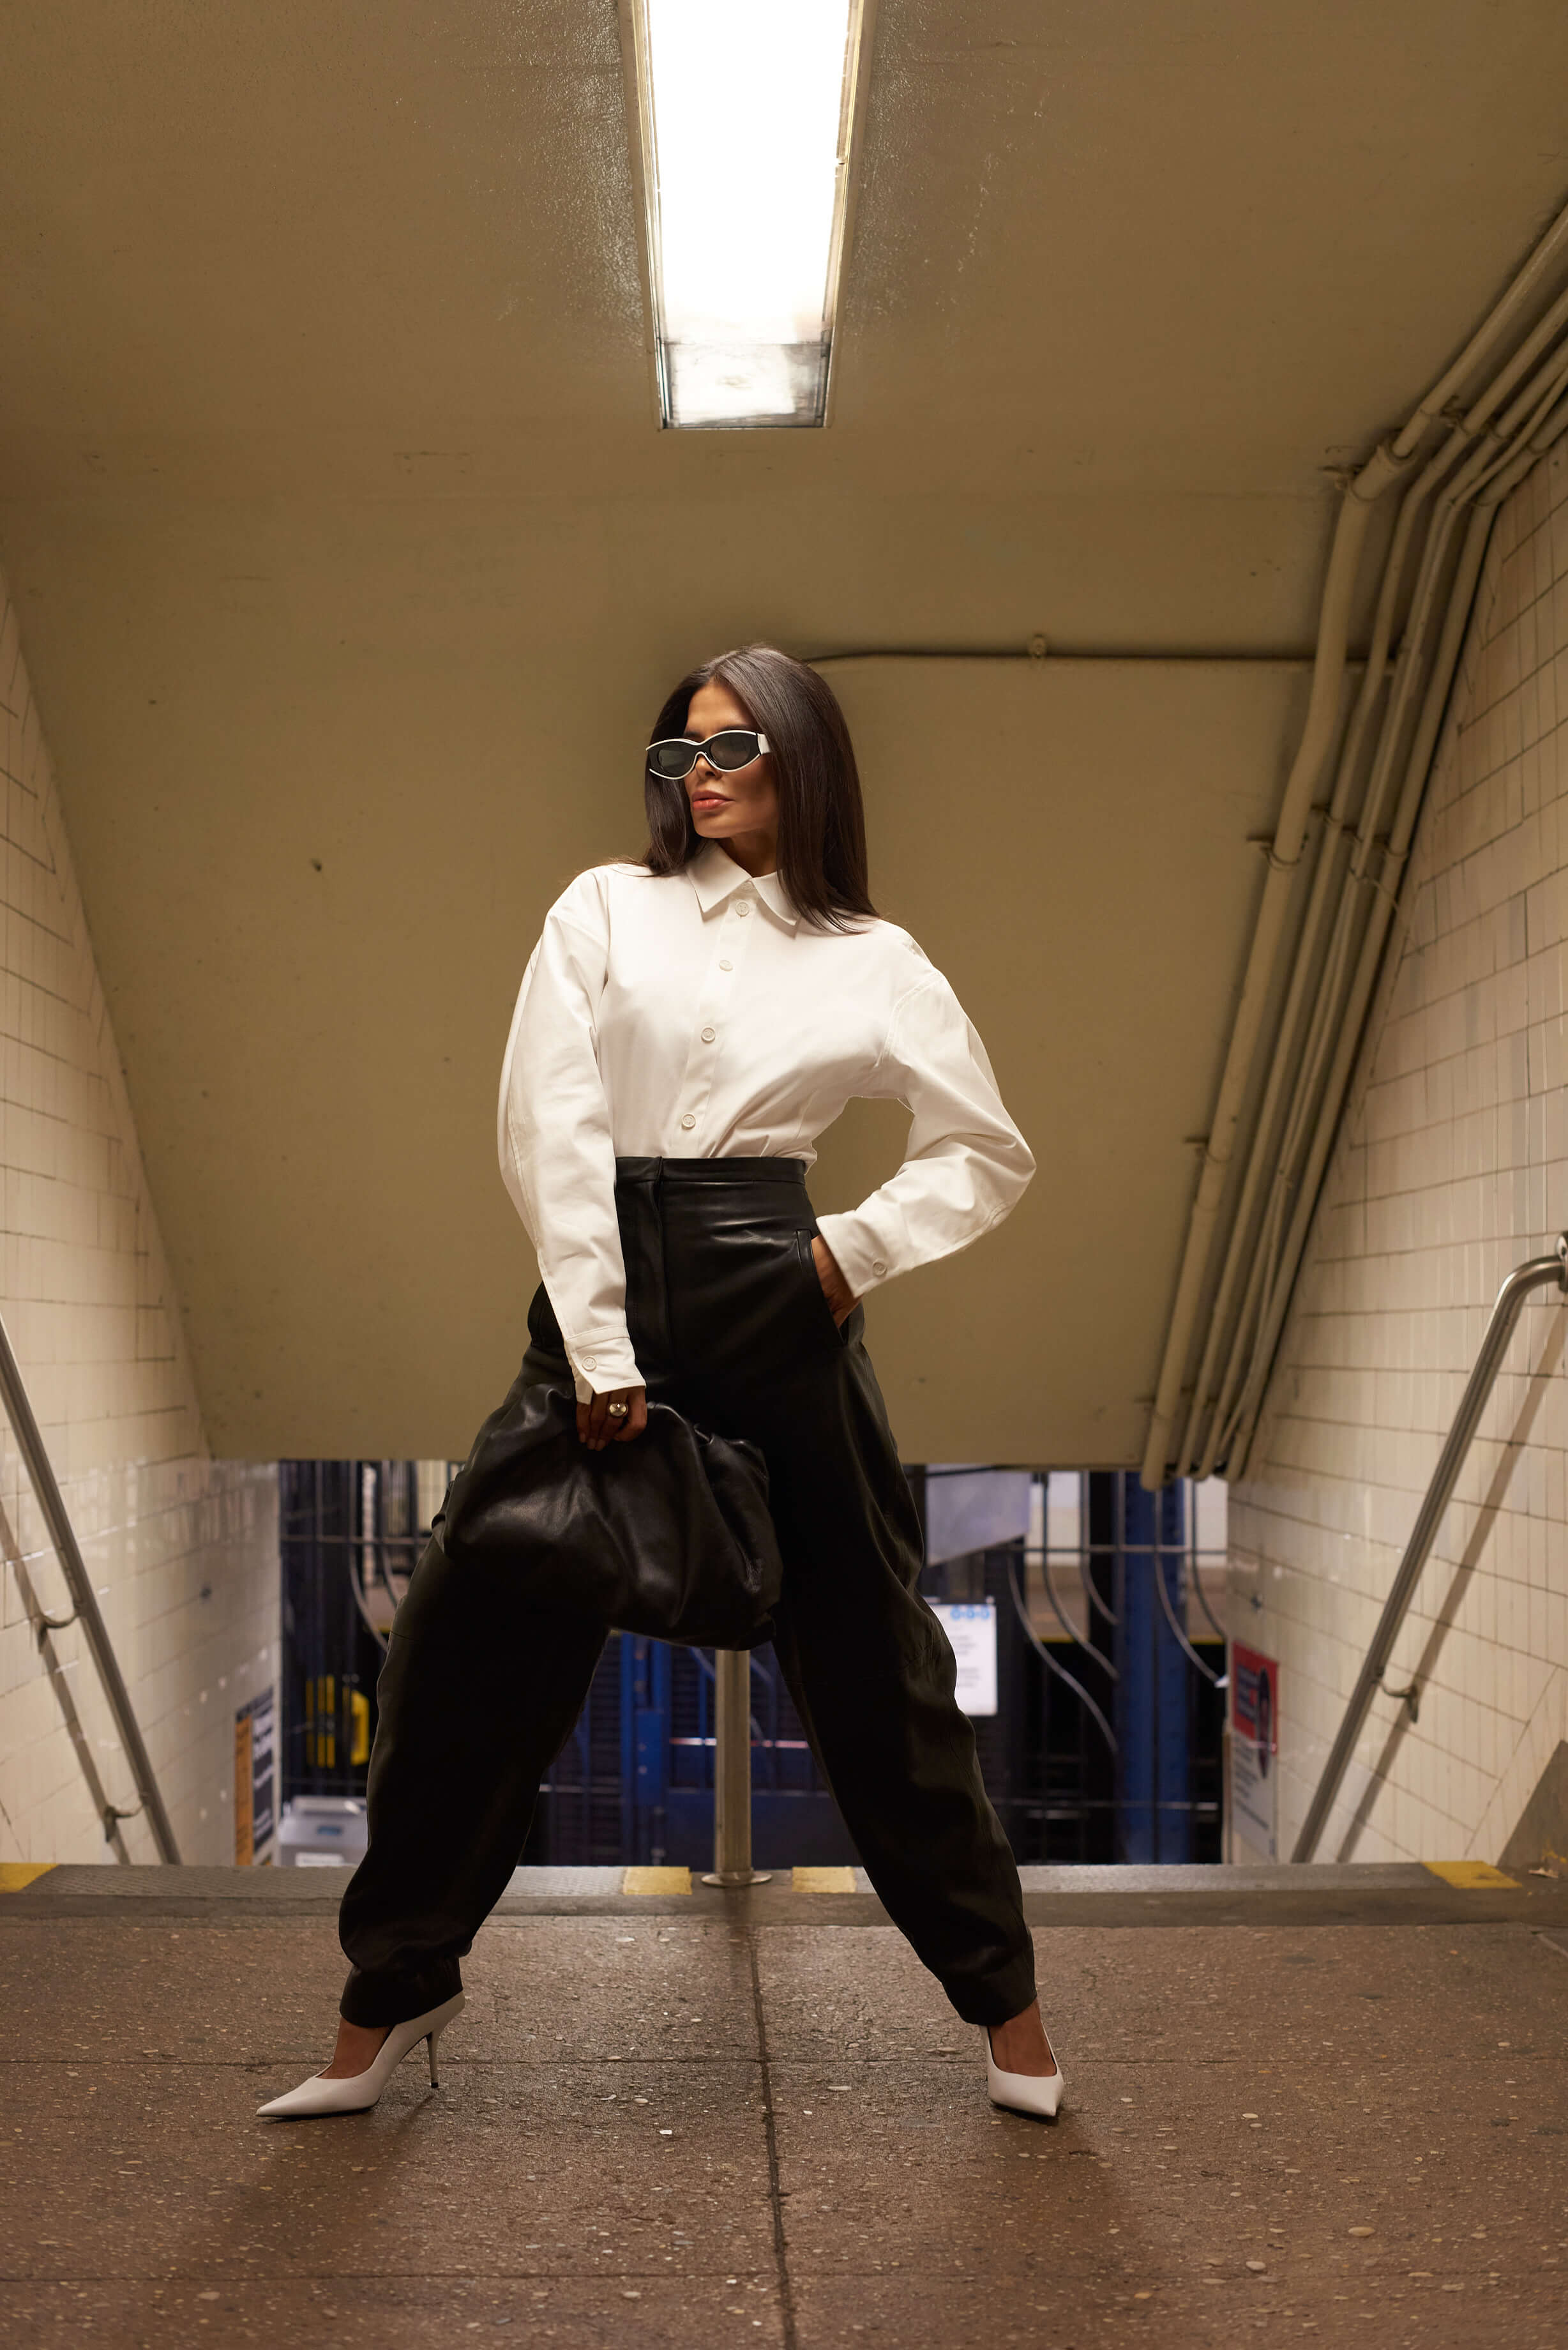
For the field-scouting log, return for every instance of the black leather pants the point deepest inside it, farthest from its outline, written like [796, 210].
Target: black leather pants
[479, 1690]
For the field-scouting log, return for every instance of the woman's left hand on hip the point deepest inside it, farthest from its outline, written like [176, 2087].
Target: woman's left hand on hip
[834, 1288]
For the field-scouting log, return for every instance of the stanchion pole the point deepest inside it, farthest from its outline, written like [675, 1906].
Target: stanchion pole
[732, 1771]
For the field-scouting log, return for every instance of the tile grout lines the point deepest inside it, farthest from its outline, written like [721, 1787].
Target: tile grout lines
[781, 2257]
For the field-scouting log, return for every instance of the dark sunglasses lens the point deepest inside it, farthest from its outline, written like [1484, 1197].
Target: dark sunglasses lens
[735, 748]
[672, 759]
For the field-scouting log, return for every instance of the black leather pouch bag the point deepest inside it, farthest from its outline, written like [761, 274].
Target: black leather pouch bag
[669, 1536]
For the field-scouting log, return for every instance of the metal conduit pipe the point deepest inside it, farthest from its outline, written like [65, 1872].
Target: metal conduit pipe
[1303, 1069]
[1547, 249]
[1260, 977]
[1505, 1313]
[1381, 470]
[1243, 1424]
[1347, 1042]
[1481, 466]
[1204, 1417]
[1200, 1417]
[1328, 677]
[1258, 982]
[1335, 1029]
[1397, 847]
[1539, 339]
[1389, 891]
[1468, 429]
[1477, 483]
[1211, 1182]
[1494, 448]
[1480, 469]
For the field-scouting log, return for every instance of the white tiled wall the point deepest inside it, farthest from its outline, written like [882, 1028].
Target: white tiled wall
[1451, 1168]
[182, 1549]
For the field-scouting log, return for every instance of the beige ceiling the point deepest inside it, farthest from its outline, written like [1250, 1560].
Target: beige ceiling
[342, 537]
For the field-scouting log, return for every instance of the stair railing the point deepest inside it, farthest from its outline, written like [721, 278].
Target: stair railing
[1505, 1313]
[84, 1609]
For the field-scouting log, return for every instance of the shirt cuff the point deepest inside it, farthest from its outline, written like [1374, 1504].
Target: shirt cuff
[599, 1365]
[854, 1251]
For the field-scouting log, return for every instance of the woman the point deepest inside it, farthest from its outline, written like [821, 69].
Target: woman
[686, 1029]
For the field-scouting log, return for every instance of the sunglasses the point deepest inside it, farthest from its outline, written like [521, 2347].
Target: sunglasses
[736, 747]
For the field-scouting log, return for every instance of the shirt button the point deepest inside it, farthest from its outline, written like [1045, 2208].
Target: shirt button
[877, 1266]
[708, 1035]
[743, 909]
[688, 1121]
[725, 964]
[590, 1362]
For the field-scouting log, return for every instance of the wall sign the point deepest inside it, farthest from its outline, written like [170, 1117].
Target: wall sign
[1254, 1748]
[254, 1807]
[971, 1627]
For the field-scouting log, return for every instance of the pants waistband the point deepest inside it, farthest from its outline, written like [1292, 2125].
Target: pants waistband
[710, 1171]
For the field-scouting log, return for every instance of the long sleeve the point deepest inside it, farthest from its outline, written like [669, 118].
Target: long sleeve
[557, 1156]
[966, 1164]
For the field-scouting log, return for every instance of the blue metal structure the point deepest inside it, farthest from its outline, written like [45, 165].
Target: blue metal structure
[1105, 1746]
[1153, 1676]
[635, 1780]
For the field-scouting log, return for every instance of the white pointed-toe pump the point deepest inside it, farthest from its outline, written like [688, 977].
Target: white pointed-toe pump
[360, 2090]
[1023, 2092]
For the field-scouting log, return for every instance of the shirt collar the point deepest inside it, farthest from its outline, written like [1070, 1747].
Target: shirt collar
[715, 877]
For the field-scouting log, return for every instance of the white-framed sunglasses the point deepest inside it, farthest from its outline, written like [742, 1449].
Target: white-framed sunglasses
[735, 747]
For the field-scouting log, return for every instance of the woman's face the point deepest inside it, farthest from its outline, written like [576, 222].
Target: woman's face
[743, 805]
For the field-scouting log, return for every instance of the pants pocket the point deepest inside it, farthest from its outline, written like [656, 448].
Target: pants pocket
[807, 1263]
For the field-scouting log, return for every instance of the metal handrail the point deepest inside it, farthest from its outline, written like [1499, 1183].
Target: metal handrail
[47, 1491]
[1071, 1630]
[1505, 1313]
[1214, 1679]
[1050, 1663]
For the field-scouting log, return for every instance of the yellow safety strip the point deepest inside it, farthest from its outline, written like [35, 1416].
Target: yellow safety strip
[1472, 1876]
[657, 1880]
[15, 1873]
[822, 1880]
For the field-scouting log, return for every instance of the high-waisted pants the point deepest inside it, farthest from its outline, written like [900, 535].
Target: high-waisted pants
[481, 1689]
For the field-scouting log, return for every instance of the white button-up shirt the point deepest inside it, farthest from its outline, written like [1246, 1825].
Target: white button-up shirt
[659, 1019]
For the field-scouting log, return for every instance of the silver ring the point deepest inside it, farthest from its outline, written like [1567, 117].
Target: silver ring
[618, 1411]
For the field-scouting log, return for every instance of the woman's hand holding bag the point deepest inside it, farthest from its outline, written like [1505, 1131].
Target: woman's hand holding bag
[669, 1538]
[599, 1422]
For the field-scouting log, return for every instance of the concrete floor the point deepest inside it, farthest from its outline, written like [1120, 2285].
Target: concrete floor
[730, 2120]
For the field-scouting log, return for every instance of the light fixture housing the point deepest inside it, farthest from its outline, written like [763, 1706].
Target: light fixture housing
[746, 113]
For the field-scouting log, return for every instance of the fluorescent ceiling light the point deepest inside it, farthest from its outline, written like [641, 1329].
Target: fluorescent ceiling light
[746, 109]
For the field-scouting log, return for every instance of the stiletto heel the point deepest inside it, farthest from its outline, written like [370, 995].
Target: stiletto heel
[1025, 2093]
[360, 2091]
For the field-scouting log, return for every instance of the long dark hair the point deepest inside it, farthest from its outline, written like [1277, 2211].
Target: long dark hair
[822, 822]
